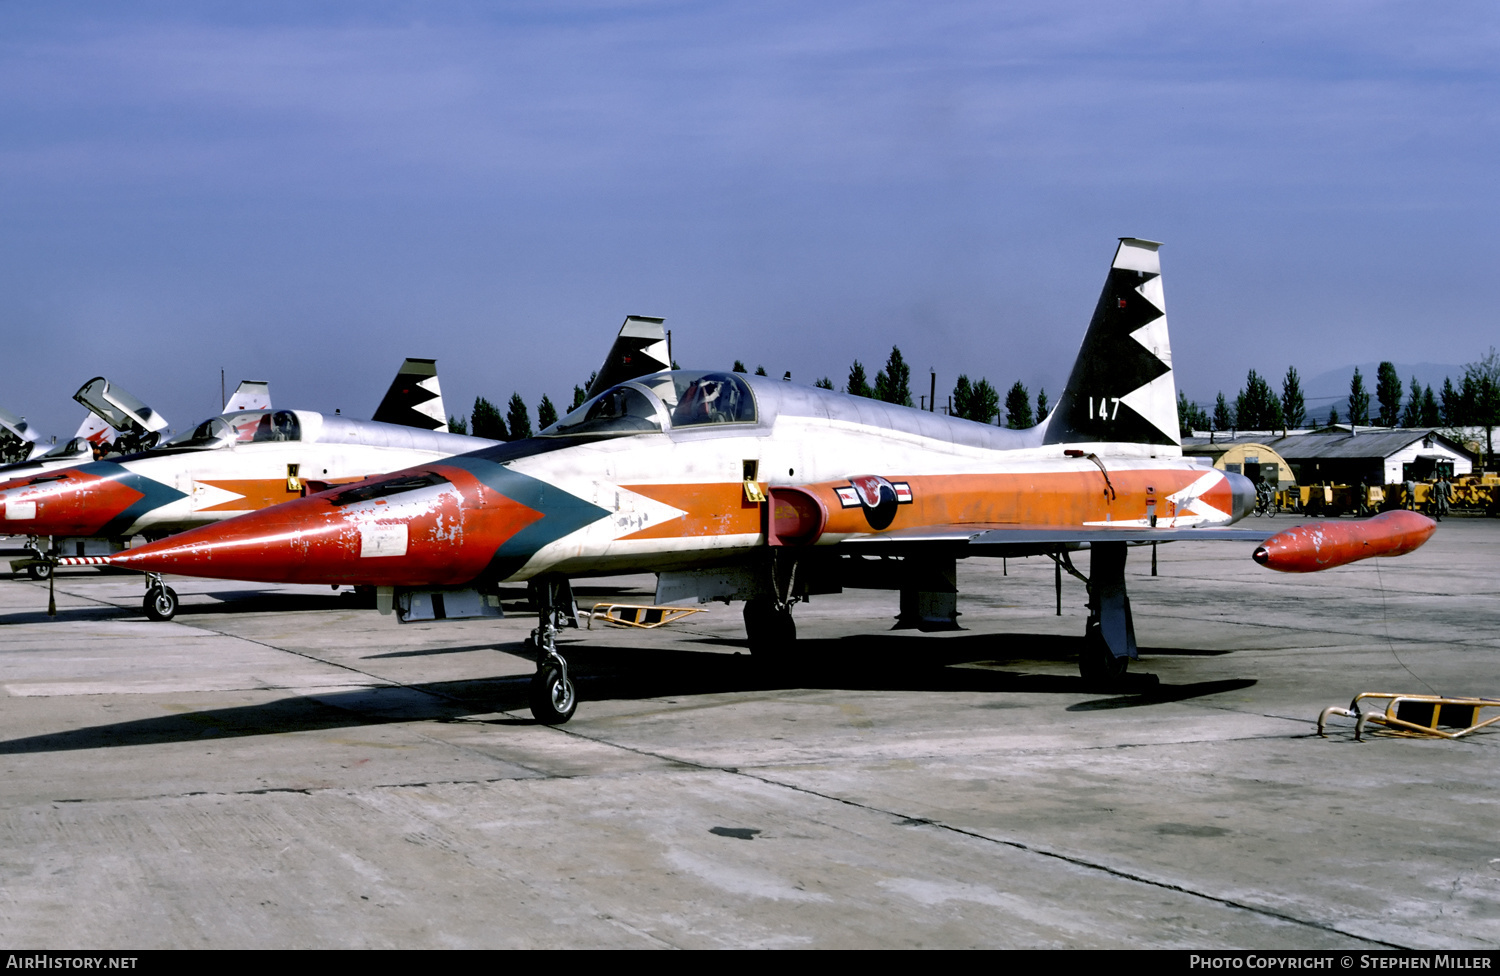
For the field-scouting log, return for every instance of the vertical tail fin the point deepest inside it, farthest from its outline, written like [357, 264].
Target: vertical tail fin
[250, 395]
[415, 399]
[1121, 390]
[639, 350]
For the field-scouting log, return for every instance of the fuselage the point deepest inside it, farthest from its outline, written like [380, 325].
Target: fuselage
[228, 466]
[689, 469]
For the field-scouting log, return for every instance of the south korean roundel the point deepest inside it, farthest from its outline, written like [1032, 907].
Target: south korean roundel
[877, 497]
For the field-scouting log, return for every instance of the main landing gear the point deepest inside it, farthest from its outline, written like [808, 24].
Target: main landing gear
[769, 627]
[161, 600]
[1109, 636]
[553, 699]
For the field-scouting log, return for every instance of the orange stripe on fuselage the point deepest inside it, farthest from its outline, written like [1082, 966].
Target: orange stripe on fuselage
[710, 509]
[1024, 498]
[1034, 498]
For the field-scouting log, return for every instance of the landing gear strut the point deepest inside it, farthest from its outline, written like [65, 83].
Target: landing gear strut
[41, 568]
[553, 699]
[1109, 636]
[161, 600]
[769, 627]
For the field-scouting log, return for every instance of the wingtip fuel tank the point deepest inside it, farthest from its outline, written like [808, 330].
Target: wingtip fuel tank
[1323, 545]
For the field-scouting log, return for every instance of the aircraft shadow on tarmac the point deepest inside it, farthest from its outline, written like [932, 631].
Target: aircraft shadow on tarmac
[262, 601]
[908, 663]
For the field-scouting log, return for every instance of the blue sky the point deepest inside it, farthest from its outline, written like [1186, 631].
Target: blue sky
[308, 196]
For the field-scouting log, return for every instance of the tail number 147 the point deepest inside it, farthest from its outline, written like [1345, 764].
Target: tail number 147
[1104, 411]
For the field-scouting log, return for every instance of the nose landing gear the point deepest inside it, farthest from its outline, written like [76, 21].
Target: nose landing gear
[553, 698]
[161, 601]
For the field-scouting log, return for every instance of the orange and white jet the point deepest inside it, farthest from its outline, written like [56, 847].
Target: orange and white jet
[742, 487]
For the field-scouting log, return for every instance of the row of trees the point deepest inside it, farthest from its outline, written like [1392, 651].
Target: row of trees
[485, 419]
[972, 400]
[1473, 402]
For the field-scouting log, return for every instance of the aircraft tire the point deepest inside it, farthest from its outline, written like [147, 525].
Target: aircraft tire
[770, 632]
[161, 603]
[553, 699]
[1097, 664]
[39, 571]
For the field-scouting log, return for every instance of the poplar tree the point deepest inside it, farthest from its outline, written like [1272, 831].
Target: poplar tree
[893, 384]
[858, 385]
[1431, 415]
[1411, 416]
[1018, 408]
[1293, 405]
[1359, 400]
[963, 395]
[546, 413]
[486, 421]
[1388, 395]
[518, 418]
[1223, 416]
[984, 405]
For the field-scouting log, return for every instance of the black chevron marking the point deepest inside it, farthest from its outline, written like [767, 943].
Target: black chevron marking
[1111, 365]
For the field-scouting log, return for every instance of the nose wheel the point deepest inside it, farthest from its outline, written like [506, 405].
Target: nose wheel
[161, 600]
[553, 699]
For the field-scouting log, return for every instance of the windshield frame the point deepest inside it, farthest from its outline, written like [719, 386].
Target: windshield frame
[578, 424]
[663, 390]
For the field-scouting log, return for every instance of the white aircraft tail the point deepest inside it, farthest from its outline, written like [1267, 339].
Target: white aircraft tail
[415, 399]
[640, 349]
[1121, 390]
[250, 395]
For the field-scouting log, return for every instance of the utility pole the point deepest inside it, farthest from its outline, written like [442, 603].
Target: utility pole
[932, 399]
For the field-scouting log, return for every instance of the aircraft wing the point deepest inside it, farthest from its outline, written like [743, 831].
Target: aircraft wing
[982, 535]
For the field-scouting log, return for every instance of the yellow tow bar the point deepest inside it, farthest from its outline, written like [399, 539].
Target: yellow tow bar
[1416, 715]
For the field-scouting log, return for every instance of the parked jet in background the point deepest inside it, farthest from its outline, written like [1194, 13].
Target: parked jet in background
[116, 421]
[237, 462]
[250, 459]
[742, 487]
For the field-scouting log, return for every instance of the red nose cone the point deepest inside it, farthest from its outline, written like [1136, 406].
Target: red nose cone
[66, 503]
[439, 534]
[1323, 545]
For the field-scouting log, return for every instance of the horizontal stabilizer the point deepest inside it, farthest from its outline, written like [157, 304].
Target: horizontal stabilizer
[415, 399]
[250, 395]
[118, 408]
[639, 350]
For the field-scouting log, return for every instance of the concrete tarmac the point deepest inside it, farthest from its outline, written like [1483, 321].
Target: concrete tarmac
[280, 768]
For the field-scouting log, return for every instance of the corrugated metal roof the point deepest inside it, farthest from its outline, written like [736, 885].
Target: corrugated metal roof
[1368, 444]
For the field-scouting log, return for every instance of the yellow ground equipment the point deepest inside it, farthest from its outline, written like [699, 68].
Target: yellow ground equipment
[1331, 500]
[1416, 715]
[638, 615]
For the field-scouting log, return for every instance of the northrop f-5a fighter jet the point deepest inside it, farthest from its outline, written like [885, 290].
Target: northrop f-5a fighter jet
[742, 487]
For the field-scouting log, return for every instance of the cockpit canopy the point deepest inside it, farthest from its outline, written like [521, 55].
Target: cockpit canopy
[240, 427]
[676, 399]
